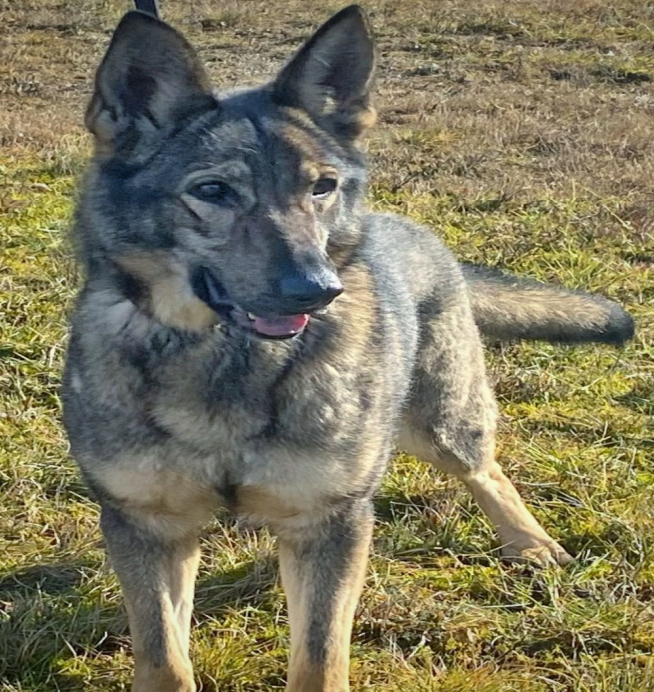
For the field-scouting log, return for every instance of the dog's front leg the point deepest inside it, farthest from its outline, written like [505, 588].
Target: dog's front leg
[323, 570]
[157, 575]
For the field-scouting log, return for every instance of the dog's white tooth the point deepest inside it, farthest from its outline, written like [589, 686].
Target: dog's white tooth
[251, 316]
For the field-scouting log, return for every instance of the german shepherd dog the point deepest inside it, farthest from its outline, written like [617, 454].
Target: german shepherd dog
[250, 336]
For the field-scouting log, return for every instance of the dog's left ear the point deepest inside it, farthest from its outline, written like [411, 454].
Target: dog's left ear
[331, 76]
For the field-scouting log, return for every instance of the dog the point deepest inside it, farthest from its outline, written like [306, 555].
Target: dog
[249, 336]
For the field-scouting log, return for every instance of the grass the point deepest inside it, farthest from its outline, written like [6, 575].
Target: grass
[521, 131]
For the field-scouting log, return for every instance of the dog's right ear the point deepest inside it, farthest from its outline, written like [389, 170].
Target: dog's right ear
[332, 75]
[149, 77]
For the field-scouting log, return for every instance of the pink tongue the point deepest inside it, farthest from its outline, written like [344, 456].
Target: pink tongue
[281, 326]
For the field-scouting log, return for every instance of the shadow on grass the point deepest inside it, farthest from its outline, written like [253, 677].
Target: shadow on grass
[49, 616]
[53, 614]
[434, 537]
[639, 399]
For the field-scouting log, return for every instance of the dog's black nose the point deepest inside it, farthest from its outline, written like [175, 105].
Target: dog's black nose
[306, 292]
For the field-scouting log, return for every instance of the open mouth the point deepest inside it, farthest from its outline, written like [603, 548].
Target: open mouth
[212, 292]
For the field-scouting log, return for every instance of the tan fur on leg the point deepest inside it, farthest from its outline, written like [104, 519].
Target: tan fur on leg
[157, 578]
[521, 535]
[323, 579]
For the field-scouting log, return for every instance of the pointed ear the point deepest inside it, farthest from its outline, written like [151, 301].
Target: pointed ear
[149, 77]
[331, 76]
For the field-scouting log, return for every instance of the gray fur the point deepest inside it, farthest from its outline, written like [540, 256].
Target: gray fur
[508, 307]
[173, 409]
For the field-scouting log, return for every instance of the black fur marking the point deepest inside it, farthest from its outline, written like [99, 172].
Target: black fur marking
[229, 493]
[272, 428]
[130, 287]
[147, 6]
[138, 91]
[330, 559]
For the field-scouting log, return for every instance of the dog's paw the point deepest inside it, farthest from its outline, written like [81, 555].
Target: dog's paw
[543, 552]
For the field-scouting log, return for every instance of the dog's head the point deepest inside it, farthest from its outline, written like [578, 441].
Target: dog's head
[237, 207]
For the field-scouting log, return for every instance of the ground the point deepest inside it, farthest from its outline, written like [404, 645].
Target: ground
[520, 131]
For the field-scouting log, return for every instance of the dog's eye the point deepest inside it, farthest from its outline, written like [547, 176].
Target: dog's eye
[213, 191]
[324, 187]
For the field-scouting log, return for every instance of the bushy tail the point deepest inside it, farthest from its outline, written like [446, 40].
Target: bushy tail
[507, 307]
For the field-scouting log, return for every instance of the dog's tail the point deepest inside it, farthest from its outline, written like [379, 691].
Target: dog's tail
[507, 307]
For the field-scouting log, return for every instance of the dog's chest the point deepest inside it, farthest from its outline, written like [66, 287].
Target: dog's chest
[254, 400]
[272, 447]
[272, 434]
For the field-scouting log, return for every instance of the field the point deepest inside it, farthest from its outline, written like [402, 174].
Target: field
[520, 131]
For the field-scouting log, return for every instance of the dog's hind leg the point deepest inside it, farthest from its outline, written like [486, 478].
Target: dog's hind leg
[157, 576]
[450, 423]
[323, 569]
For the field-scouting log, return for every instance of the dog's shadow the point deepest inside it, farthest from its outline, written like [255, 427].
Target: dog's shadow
[48, 612]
